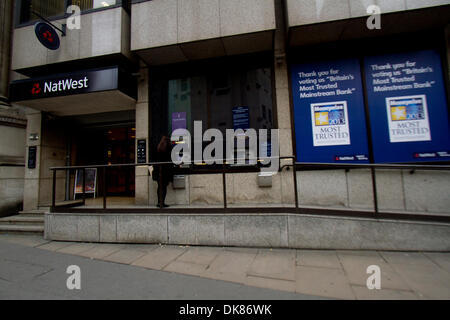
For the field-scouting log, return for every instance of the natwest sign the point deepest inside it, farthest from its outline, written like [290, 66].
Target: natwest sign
[63, 85]
[73, 83]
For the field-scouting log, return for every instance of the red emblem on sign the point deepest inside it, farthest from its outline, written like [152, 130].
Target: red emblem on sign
[36, 89]
[47, 35]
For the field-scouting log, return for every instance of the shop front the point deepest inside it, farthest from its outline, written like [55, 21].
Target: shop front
[80, 118]
[357, 117]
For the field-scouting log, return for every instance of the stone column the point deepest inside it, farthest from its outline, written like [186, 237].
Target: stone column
[6, 19]
[31, 183]
[51, 151]
[142, 132]
[283, 102]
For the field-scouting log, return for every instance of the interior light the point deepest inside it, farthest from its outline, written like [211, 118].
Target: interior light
[105, 4]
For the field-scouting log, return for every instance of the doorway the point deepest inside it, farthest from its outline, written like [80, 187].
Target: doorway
[108, 145]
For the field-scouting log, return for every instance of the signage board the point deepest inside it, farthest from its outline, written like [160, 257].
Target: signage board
[47, 35]
[65, 84]
[90, 183]
[142, 151]
[330, 121]
[32, 153]
[179, 120]
[241, 118]
[408, 107]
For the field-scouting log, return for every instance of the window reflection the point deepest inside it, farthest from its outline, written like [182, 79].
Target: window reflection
[93, 4]
[56, 8]
[46, 8]
[214, 100]
[223, 99]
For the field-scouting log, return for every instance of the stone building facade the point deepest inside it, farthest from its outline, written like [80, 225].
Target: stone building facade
[200, 60]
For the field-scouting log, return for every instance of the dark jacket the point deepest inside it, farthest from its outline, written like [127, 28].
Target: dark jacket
[166, 170]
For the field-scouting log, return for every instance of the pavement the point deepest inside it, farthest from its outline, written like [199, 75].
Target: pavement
[34, 268]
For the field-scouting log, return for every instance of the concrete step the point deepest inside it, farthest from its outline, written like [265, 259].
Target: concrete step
[21, 229]
[38, 212]
[23, 220]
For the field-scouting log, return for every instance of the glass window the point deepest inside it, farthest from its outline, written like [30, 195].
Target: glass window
[46, 8]
[93, 4]
[189, 100]
[55, 8]
[221, 94]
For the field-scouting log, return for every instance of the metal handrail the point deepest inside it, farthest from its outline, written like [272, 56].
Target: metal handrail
[223, 170]
[226, 168]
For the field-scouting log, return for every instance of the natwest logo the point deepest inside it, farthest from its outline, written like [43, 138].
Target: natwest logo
[63, 85]
[47, 35]
[36, 89]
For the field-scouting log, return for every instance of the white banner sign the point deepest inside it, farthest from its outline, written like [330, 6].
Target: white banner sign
[408, 119]
[330, 124]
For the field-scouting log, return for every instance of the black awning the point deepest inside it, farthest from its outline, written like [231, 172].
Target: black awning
[74, 83]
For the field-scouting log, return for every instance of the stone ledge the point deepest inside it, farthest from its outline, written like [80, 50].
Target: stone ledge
[250, 230]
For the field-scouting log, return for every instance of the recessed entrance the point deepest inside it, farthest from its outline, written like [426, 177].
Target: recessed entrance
[110, 146]
[114, 144]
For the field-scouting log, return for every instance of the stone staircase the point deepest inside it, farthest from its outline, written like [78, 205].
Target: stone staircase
[30, 222]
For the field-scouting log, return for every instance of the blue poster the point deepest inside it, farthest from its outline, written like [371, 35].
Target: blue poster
[408, 107]
[330, 124]
[241, 118]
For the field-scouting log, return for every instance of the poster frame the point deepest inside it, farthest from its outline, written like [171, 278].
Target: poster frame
[94, 191]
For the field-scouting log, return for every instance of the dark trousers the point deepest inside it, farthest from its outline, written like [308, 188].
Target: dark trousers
[162, 192]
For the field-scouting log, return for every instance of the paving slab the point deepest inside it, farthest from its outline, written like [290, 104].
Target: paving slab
[200, 255]
[441, 259]
[124, 256]
[363, 293]
[359, 253]
[231, 265]
[76, 248]
[274, 264]
[55, 245]
[183, 267]
[318, 258]
[410, 258]
[101, 251]
[427, 282]
[159, 258]
[325, 282]
[146, 248]
[355, 268]
[275, 284]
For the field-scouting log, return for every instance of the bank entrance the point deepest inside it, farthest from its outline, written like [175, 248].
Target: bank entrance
[109, 146]
[106, 139]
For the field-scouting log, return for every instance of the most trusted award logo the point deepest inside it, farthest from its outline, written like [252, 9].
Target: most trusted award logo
[408, 119]
[330, 124]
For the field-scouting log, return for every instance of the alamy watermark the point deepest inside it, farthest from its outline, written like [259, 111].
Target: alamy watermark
[241, 147]
[74, 280]
[374, 280]
[74, 20]
[374, 20]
